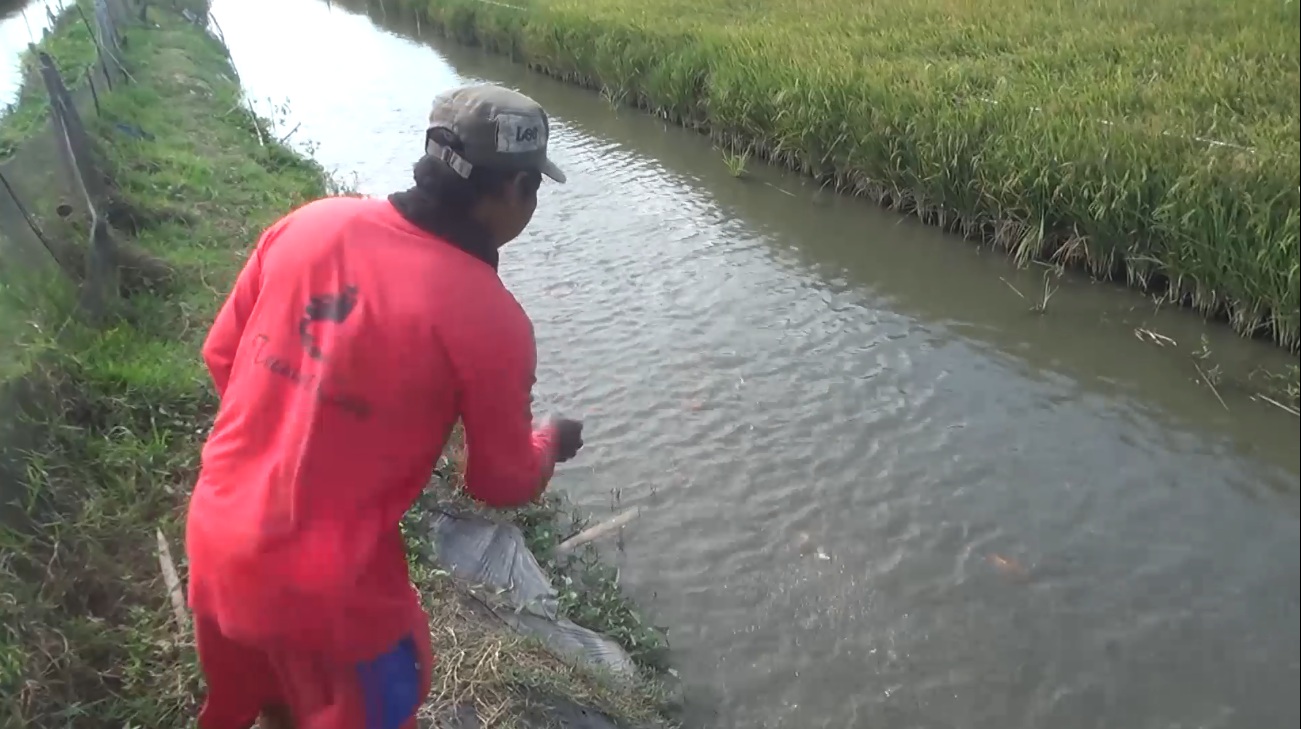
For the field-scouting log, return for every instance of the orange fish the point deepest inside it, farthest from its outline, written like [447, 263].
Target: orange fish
[1007, 565]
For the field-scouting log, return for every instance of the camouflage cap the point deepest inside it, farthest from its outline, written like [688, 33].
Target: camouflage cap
[499, 129]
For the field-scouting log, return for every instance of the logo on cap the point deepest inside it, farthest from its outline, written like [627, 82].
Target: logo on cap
[520, 133]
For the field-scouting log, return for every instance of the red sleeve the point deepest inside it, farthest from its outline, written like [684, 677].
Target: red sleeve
[223, 339]
[508, 462]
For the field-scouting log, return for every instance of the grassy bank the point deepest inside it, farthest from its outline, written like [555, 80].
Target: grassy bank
[1153, 142]
[115, 418]
[73, 50]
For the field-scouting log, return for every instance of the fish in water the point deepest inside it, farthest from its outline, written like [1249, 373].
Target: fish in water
[1008, 566]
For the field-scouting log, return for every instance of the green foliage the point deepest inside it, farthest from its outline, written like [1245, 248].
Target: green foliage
[1072, 132]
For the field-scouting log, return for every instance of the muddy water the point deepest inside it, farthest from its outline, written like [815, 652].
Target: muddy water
[879, 490]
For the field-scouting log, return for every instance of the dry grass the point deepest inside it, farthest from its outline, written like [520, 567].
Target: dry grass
[1153, 141]
[589, 593]
[510, 680]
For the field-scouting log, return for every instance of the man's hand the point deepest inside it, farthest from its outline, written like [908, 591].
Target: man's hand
[569, 438]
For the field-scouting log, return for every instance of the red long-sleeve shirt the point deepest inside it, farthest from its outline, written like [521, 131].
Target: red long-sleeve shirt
[350, 345]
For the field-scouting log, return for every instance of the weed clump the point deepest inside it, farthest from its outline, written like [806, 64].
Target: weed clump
[588, 588]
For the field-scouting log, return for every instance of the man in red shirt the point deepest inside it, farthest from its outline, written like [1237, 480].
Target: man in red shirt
[357, 334]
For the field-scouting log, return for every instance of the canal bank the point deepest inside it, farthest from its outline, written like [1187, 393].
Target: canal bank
[72, 50]
[21, 23]
[113, 419]
[1172, 165]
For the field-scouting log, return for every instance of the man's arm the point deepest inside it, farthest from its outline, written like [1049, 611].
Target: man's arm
[508, 462]
[223, 339]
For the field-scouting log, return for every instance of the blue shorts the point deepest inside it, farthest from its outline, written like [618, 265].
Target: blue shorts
[243, 681]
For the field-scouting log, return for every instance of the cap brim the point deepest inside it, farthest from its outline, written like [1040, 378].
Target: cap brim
[550, 169]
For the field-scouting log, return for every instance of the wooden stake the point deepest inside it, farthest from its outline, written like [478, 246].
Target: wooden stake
[173, 582]
[599, 530]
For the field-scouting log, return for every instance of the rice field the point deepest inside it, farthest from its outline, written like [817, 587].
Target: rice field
[1156, 141]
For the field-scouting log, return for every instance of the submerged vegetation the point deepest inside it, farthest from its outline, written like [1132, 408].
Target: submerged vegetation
[1152, 142]
[103, 426]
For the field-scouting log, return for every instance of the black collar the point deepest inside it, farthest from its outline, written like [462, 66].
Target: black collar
[461, 232]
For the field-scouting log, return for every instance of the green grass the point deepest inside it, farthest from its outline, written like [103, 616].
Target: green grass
[72, 48]
[1059, 129]
[111, 422]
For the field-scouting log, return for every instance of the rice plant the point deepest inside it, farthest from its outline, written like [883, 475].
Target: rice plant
[1155, 142]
